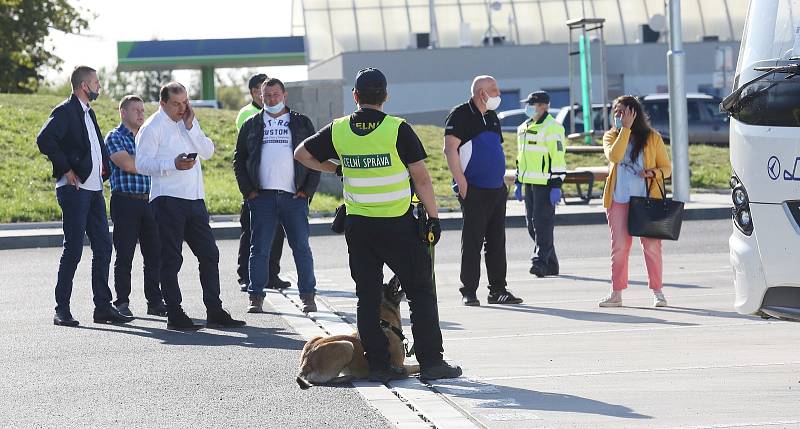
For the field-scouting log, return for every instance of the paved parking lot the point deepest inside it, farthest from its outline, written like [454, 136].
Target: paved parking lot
[557, 361]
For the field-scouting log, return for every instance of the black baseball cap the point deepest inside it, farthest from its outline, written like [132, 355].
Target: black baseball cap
[256, 80]
[537, 97]
[370, 79]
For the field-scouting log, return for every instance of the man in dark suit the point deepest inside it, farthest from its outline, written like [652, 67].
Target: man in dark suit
[71, 140]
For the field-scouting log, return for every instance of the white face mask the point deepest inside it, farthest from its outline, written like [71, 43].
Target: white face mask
[275, 109]
[493, 103]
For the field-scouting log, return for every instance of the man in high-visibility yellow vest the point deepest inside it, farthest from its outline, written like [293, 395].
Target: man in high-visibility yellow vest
[377, 154]
[541, 169]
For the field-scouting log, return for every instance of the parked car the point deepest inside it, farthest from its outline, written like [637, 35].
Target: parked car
[706, 123]
[563, 117]
[209, 104]
[510, 119]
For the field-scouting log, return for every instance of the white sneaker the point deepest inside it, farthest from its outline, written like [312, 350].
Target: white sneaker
[659, 300]
[613, 300]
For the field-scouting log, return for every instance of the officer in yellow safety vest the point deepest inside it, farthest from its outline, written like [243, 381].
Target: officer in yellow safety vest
[377, 155]
[541, 168]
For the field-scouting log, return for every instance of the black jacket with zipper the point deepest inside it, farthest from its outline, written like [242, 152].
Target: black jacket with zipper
[247, 157]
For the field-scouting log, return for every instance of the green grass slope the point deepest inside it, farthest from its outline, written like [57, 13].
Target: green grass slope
[27, 190]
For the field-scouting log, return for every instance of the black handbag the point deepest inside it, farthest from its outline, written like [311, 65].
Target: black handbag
[653, 217]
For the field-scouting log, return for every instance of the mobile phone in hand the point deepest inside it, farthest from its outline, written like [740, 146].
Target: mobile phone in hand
[192, 155]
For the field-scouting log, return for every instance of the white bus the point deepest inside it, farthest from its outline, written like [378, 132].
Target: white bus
[765, 155]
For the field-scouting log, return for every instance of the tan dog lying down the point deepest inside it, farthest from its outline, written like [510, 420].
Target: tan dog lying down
[340, 358]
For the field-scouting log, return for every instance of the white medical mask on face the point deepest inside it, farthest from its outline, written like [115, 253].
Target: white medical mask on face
[530, 111]
[275, 109]
[617, 122]
[493, 103]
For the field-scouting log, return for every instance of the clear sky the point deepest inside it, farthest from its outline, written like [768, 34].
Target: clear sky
[167, 20]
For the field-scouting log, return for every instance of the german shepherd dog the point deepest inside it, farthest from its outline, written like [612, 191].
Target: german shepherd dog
[340, 358]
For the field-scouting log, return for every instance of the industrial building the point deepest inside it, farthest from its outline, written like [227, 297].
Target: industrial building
[431, 49]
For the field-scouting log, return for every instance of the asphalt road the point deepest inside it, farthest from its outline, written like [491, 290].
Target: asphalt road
[141, 375]
[570, 241]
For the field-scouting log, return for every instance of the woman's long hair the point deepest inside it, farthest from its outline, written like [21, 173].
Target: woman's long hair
[641, 129]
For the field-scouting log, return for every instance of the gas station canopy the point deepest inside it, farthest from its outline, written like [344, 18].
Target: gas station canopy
[209, 54]
[215, 53]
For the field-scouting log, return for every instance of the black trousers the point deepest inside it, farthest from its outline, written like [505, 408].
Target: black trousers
[134, 221]
[244, 250]
[373, 242]
[83, 212]
[540, 217]
[182, 220]
[484, 215]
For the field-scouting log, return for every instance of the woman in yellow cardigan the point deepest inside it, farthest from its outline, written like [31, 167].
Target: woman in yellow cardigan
[635, 151]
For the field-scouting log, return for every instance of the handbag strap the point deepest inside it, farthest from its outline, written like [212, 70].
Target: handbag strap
[661, 186]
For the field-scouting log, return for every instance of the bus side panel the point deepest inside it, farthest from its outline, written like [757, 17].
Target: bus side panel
[767, 161]
[778, 244]
[748, 273]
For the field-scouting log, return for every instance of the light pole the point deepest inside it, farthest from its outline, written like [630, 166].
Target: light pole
[678, 121]
[433, 39]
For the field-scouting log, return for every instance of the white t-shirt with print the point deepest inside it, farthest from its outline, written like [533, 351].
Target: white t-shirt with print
[276, 171]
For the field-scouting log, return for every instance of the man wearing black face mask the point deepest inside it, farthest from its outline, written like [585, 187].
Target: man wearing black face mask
[71, 140]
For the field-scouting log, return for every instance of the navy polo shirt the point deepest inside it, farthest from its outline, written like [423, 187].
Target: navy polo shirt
[481, 149]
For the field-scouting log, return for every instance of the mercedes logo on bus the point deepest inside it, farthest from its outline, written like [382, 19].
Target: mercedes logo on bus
[774, 167]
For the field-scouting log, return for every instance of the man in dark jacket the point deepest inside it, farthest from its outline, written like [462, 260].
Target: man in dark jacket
[71, 140]
[277, 190]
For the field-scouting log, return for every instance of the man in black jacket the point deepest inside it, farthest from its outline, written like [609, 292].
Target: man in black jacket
[277, 189]
[71, 140]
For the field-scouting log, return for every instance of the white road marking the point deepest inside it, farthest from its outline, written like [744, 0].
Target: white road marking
[406, 398]
[375, 394]
[741, 425]
[601, 331]
[638, 371]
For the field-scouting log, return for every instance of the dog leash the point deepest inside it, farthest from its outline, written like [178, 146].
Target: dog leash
[386, 325]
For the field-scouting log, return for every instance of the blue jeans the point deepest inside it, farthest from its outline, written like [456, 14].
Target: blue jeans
[267, 210]
[83, 212]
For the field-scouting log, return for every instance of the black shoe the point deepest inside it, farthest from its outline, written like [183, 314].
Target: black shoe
[222, 319]
[442, 370]
[385, 375]
[124, 309]
[179, 321]
[470, 300]
[277, 283]
[157, 310]
[110, 315]
[503, 297]
[538, 270]
[64, 318]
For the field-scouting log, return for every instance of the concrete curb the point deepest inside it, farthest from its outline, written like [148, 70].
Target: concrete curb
[27, 236]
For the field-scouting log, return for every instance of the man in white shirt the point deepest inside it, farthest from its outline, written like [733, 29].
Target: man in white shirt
[169, 147]
[71, 140]
[277, 190]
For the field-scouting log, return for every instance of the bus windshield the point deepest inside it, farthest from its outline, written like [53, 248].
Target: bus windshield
[771, 38]
[772, 32]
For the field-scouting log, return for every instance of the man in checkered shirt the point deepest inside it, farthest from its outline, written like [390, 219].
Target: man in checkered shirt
[131, 212]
